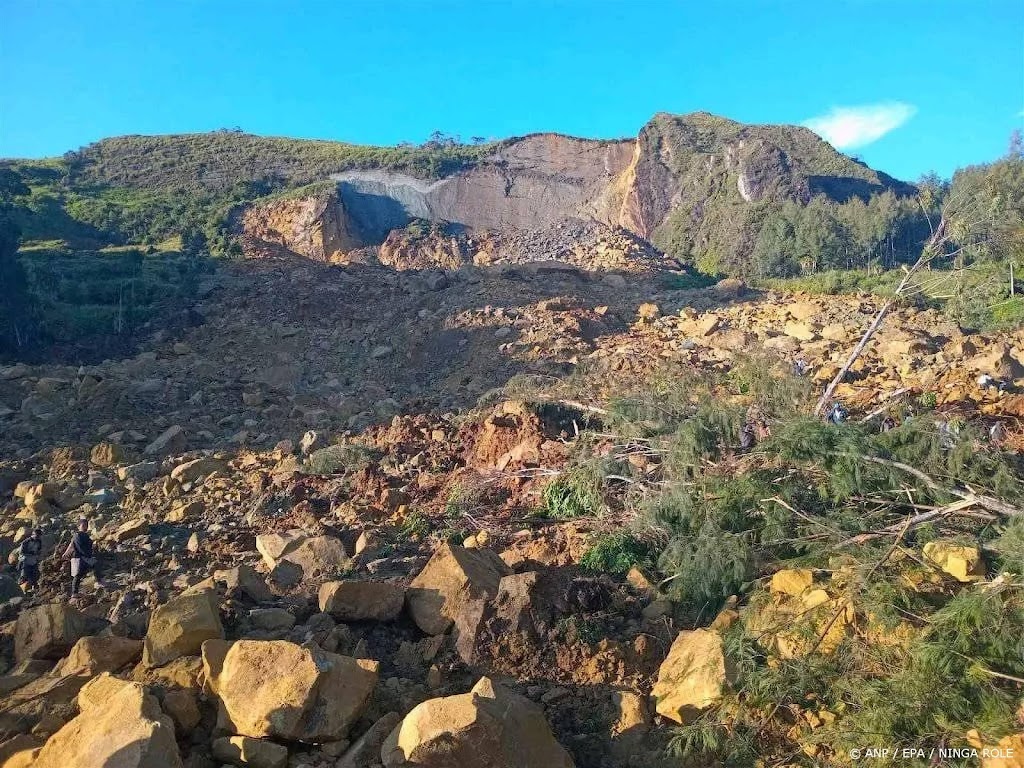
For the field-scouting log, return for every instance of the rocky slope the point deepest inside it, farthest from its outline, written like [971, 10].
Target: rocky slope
[316, 512]
[692, 167]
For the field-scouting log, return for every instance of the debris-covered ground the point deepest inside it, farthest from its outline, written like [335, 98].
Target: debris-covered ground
[343, 517]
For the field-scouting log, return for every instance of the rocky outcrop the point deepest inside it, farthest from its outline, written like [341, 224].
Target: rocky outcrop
[680, 166]
[316, 226]
[528, 183]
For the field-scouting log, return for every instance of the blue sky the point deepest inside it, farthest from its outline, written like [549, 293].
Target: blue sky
[910, 86]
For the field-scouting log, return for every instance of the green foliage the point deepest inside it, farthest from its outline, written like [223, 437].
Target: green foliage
[1009, 546]
[706, 739]
[78, 295]
[805, 486]
[615, 553]
[576, 493]
[578, 628]
[146, 189]
[415, 526]
[1009, 313]
[16, 318]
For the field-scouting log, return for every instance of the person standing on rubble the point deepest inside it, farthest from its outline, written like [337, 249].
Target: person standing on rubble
[80, 552]
[29, 552]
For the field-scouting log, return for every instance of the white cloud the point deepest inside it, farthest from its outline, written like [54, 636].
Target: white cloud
[852, 127]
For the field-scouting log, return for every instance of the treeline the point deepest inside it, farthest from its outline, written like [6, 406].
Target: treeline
[823, 235]
[788, 239]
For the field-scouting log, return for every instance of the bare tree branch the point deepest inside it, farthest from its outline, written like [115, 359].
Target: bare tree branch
[931, 249]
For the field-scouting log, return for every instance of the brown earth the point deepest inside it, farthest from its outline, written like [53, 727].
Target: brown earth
[454, 396]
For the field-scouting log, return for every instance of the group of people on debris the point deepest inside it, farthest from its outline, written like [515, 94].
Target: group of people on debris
[79, 553]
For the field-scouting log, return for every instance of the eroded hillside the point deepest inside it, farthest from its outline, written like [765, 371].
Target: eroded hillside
[440, 511]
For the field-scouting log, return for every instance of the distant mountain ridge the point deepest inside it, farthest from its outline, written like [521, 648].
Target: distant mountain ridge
[691, 184]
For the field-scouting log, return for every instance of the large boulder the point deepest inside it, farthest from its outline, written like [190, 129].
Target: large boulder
[106, 454]
[452, 578]
[693, 677]
[244, 581]
[279, 690]
[120, 726]
[47, 631]
[499, 634]
[191, 471]
[317, 557]
[489, 727]
[180, 626]
[45, 697]
[171, 440]
[361, 600]
[93, 655]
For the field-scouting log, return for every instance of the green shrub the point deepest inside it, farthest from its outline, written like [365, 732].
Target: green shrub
[338, 459]
[615, 553]
[575, 493]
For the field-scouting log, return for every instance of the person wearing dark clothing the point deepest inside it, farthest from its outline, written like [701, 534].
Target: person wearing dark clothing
[747, 436]
[28, 560]
[80, 552]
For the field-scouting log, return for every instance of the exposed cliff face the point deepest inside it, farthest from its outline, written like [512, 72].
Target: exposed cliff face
[316, 227]
[677, 182]
[528, 184]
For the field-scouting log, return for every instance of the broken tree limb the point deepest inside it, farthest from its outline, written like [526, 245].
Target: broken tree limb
[970, 498]
[931, 249]
[885, 404]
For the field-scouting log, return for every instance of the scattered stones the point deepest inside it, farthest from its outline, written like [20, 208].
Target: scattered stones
[365, 752]
[246, 752]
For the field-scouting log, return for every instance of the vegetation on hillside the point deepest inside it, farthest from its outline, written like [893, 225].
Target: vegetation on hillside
[106, 295]
[145, 189]
[16, 315]
[817, 210]
[917, 657]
